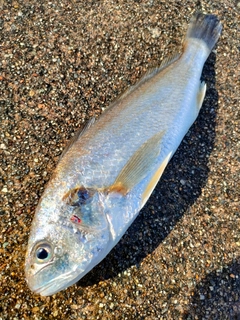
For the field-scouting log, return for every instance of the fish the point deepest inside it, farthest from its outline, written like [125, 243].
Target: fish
[107, 173]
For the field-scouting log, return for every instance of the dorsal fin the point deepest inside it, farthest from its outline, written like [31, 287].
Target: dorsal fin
[150, 73]
[168, 60]
[77, 135]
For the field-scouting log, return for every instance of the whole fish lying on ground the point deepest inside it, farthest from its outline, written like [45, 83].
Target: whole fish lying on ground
[110, 170]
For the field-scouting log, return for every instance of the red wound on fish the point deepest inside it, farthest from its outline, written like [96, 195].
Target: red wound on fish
[75, 219]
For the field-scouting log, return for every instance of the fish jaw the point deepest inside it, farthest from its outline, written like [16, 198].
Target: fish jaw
[55, 285]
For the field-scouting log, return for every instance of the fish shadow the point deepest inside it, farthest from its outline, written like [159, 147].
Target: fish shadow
[178, 188]
[217, 296]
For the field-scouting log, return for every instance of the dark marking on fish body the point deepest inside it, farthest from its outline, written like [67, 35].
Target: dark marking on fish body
[78, 196]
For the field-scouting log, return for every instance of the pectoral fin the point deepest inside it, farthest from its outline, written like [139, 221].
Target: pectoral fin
[138, 166]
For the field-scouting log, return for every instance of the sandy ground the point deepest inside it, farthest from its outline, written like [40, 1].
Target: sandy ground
[61, 62]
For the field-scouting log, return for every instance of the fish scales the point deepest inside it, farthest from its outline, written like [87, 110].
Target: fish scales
[110, 170]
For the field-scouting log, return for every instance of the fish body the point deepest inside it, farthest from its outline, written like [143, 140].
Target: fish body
[110, 170]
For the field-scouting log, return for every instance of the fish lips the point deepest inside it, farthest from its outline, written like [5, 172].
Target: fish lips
[54, 286]
[57, 284]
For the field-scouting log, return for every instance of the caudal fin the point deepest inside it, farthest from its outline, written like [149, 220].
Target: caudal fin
[206, 28]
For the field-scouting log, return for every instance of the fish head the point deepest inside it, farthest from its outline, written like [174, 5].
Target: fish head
[67, 239]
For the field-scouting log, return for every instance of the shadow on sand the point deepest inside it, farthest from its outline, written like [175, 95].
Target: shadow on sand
[218, 295]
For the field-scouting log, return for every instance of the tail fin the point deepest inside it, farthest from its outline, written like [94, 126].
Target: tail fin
[206, 28]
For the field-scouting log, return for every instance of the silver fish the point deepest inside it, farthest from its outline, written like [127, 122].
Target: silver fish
[111, 168]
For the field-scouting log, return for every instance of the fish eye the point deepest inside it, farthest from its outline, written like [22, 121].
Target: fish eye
[43, 252]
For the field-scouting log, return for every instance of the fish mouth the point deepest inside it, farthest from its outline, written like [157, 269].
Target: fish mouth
[49, 289]
[59, 283]
[54, 285]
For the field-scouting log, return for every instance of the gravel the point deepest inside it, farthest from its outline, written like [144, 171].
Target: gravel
[61, 62]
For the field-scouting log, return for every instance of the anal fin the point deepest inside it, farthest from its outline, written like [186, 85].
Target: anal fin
[155, 178]
[201, 94]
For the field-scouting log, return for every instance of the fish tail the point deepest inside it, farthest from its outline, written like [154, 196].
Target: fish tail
[206, 28]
